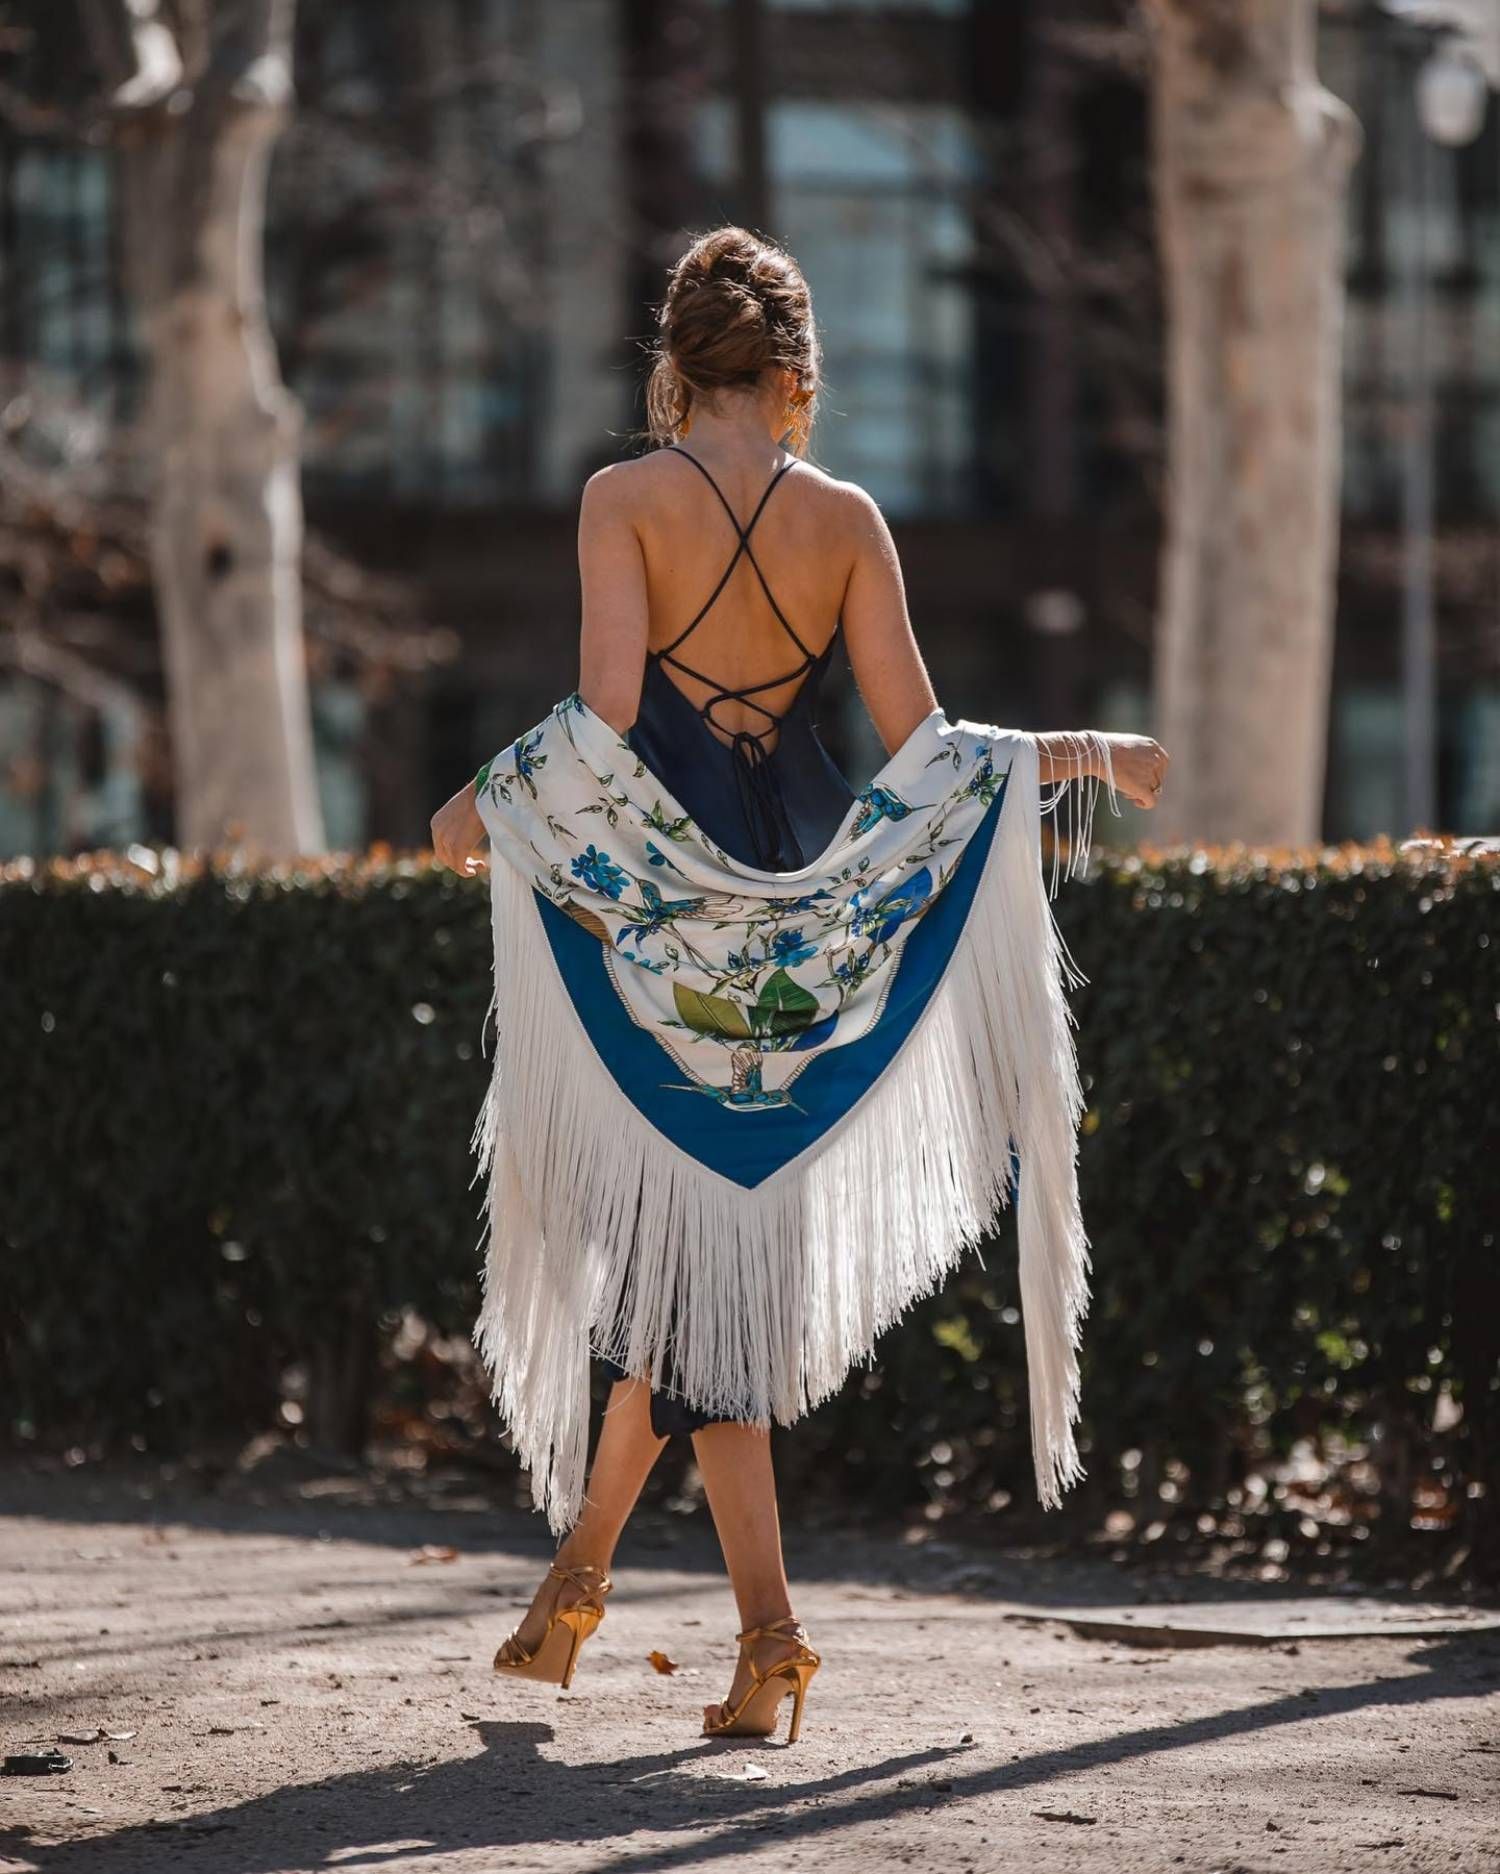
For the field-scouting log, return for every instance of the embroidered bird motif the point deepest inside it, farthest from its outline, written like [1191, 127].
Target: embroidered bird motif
[876, 804]
[655, 913]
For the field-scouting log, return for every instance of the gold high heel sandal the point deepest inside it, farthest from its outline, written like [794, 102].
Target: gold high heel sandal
[567, 1628]
[755, 1715]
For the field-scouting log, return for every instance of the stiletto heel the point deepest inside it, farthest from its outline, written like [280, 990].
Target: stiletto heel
[755, 1715]
[797, 1697]
[576, 1629]
[556, 1654]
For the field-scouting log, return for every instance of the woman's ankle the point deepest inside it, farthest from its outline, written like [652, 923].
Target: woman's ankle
[768, 1613]
[583, 1558]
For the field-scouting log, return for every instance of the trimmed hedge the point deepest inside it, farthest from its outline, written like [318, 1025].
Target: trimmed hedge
[234, 1135]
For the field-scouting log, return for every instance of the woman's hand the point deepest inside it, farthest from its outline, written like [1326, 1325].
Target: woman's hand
[1140, 767]
[457, 832]
[1139, 764]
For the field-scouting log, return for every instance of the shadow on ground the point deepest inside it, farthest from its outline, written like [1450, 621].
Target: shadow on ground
[508, 1795]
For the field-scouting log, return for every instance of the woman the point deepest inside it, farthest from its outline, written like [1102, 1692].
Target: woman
[717, 572]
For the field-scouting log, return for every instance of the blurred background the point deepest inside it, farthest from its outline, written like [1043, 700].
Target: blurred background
[468, 216]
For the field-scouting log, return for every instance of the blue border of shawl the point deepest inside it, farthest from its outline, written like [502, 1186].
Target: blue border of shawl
[749, 1147]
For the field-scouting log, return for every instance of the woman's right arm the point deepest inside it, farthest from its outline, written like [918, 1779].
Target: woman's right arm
[883, 650]
[898, 693]
[1134, 765]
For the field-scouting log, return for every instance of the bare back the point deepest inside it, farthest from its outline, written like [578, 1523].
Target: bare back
[744, 588]
[656, 540]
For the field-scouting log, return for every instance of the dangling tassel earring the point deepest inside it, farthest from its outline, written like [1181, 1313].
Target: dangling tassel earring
[796, 424]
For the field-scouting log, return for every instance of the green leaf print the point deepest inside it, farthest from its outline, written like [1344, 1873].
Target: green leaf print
[784, 1006]
[670, 829]
[711, 1015]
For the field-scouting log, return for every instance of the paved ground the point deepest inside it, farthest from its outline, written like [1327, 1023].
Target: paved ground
[304, 1693]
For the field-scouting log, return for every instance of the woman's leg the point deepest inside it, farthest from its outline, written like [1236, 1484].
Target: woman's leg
[735, 1463]
[623, 1458]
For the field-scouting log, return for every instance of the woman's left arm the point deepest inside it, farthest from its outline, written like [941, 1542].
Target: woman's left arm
[612, 653]
[458, 832]
[616, 610]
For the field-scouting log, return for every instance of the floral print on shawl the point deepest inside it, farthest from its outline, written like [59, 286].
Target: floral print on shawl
[741, 976]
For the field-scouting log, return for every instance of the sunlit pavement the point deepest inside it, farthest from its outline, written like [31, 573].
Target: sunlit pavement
[303, 1683]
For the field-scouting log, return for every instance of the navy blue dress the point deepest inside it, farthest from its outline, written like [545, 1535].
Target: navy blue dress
[775, 809]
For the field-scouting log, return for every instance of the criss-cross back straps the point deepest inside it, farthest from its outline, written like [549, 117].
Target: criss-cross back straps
[747, 693]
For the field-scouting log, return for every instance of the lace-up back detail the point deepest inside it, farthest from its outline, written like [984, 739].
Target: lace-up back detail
[771, 806]
[750, 743]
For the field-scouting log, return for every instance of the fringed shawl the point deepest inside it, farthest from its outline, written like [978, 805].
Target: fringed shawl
[738, 1121]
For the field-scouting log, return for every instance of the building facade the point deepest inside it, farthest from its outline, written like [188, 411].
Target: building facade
[470, 221]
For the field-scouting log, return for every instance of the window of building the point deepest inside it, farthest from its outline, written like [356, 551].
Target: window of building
[1422, 231]
[871, 200]
[61, 305]
[401, 258]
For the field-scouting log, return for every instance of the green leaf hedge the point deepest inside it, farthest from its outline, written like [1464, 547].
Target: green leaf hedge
[237, 1103]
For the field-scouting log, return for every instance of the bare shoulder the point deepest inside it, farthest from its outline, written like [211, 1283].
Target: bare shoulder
[622, 488]
[630, 497]
[852, 514]
[610, 490]
[843, 508]
[637, 488]
[843, 501]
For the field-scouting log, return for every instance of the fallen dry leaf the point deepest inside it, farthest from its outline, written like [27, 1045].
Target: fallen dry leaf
[433, 1552]
[662, 1663]
[747, 1773]
[96, 1736]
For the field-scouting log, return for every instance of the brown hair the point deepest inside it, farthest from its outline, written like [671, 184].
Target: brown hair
[736, 307]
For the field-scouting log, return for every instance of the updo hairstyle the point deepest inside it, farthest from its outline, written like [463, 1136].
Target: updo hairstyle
[736, 307]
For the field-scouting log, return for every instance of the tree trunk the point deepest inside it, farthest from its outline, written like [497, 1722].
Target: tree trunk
[1252, 158]
[226, 534]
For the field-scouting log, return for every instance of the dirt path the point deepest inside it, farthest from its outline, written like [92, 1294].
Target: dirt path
[303, 1694]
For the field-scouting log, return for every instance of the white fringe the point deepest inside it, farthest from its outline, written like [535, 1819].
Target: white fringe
[1085, 751]
[599, 1229]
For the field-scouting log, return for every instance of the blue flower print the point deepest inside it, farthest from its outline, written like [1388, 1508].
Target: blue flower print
[984, 783]
[599, 872]
[880, 914]
[787, 947]
[657, 857]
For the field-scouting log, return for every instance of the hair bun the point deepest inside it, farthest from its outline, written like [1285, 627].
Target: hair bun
[736, 307]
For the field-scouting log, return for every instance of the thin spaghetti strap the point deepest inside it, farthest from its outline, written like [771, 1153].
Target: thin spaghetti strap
[745, 531]
[744, 547]
[755, 774]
